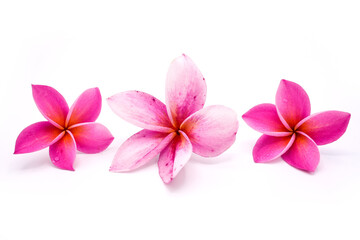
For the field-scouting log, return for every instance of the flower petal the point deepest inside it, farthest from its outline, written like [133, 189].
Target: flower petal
[91, 137]
[63, 152]
[142, 110]
[185, 89]
[86, 108]
[265, 119]
[303, 154]
[173, 158]
[325, 127]
[139, 149]
[36, 137]
[292, 102]
[211, 130]
[51, 104]
[268, 148]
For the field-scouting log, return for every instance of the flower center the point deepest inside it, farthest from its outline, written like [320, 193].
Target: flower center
[65, 129]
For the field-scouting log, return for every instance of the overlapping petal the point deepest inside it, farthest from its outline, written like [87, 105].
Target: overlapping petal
[325, 127]
[211, 130]
[36, 137]
[63, 152]
[173, 158]
[292, 102]
[51, 104]
[86, 108]
[303, 154]
[141, 109]
[140, 149]
[265, 119]
[268, 148]
[185, 89]
[91, 137]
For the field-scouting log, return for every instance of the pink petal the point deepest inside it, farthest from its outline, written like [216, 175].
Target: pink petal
[51, 104]
[292, 102]
[63, 152]
[173, 158]
[139, 149]
[142, 110]
[268, 148]
[211, 130]
[36, 137]
[185, 89]
[91, 137]
[325, 127]
[86, 108]
[303, 154]
[265, 119]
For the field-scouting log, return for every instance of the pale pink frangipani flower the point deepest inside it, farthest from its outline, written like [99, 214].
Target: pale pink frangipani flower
[65, 129]
[290, 132]
[176, 129]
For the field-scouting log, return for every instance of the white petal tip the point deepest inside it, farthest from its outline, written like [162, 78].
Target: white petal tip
[118, 170]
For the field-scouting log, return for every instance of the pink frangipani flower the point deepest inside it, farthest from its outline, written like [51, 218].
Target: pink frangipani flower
[176, 130]
[290, 132]
[65, 129]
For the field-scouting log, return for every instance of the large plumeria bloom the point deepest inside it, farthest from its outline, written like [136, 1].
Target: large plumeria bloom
[65, 129]
[290, 131]
[176, 130]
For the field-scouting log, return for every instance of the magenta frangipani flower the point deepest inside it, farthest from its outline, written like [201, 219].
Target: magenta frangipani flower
[290, 132]
[176, 130]
[65, 129]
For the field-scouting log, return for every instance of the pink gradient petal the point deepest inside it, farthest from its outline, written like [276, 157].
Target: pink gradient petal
[173, 158]
[86, 108]
[268, 148]
[63, 152]
[142, 110]
[51, 104]
[325, 127]
[265, 119]
[91, 137]
[292, 102]
[303, 154]
[211, 130]
[139, 149]
[185, 89]
[36, 137]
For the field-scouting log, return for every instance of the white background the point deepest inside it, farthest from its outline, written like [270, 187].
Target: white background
[244, 49]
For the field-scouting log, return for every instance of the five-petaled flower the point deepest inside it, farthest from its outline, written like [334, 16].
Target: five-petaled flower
[176, 130]
[290, 131]
[65, 129]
